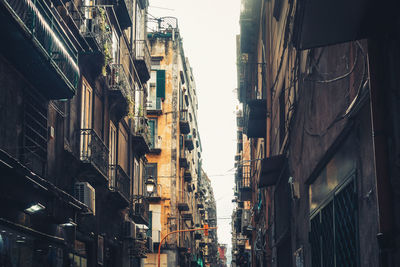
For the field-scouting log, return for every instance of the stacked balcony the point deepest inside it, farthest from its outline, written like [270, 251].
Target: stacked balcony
[124, 12]
[94, 154]
[154, 106]
[140, 214]
[142, 60]
[95, 26]
[141, 136]
[254, 118]
[189, 142]
[120, 90]
[187, 175]
[34, 39]
[243, 180]
[184, 122]
[119, 184]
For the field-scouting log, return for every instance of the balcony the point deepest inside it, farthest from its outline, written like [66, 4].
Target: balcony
[155, 146]
[141, 136]
[34, 40]
[94, 153]
[243, 180]
[140, 213]
[120, 90]
[248, 25]
[271, 170]
[183, 163]
[123, 11]
[142, 60]
[189, 142]
[156, 195]
[154, 106]
[94, 25]
[187, 216]
[322, 23]
[255, 118]
[187, 175]
[119, 185]
[183, 206]
[184, 122]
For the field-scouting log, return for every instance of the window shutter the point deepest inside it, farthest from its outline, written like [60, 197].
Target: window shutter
[161, 83]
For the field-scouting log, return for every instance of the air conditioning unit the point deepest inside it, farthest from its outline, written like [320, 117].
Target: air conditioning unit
[129, 229]
[85, 193]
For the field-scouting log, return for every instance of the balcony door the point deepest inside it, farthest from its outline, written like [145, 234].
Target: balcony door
[112, 154]
[86, 119]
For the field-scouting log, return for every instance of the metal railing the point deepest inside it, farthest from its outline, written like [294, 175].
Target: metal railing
[243, 177]
[119, 81]
[141, 128]
[184, 116]
[93, 150]
[142, 52]
[154, 105]
[46, 30]
[119, 181]
[93, 22]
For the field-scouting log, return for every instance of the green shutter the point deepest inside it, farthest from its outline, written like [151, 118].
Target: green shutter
[161, 83]
[150, 231]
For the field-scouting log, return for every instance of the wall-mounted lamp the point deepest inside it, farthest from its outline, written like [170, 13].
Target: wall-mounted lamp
[34, 208]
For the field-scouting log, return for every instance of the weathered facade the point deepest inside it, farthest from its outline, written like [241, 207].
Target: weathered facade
[175, 154]
[318, 90]
[73, 133]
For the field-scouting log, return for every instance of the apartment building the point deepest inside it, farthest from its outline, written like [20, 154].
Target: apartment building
[317, 87]
[73, 133]
[175, 153]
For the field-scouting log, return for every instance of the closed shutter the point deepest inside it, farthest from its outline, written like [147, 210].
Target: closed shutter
[161, 83]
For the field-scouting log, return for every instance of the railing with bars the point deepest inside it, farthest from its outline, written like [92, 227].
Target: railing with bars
[142, 52]
[243, 177]
[119, 181]
[154, 104]
[93, 150]
[119, 81]
[141, 128]
[93, 22]
[44, 26]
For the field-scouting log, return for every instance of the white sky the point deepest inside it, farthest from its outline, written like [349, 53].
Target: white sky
[209, 29]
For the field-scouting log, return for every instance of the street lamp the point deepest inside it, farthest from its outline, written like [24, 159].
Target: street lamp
[150, 185]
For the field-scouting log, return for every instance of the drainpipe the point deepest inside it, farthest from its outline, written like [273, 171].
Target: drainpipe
[379, 123]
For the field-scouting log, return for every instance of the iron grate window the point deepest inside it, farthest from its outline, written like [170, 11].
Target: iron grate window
[333, 235]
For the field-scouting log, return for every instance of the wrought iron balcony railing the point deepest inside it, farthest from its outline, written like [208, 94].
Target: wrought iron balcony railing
[154, 105]
[243, 177]
[93, 150]
[94, 24]
[119, 81]
[142, 59]
[119, 181]
[140, 211]
[50, 44]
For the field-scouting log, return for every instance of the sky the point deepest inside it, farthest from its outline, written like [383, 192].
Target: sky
[209, 30]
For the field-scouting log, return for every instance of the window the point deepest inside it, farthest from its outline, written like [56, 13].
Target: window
[112, 144]
[151, 170]
[86, 105]
[153, 133]
[333, 235]
[161, 83]
[115, 47]
[333, 209]
[86, 119]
